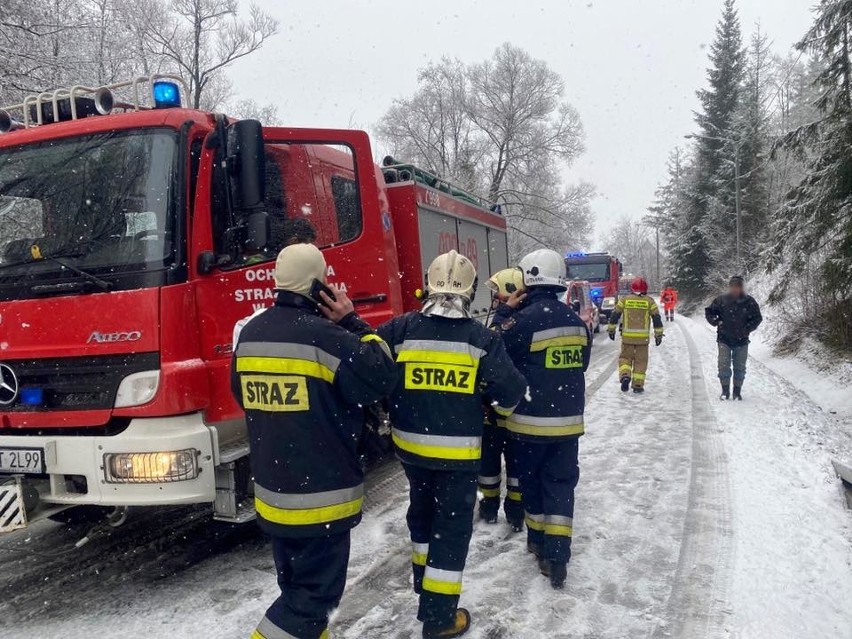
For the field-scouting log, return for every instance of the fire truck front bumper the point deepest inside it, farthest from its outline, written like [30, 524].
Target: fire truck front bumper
[153, 462]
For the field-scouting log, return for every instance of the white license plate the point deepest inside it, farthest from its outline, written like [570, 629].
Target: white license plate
[21, 460]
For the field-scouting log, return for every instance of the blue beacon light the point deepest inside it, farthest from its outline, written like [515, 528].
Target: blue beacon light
[166, 95]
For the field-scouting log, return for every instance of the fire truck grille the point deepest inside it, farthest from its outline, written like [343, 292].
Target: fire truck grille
[77, 383]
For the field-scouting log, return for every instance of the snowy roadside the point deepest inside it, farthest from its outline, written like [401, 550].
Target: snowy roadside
[792, 536]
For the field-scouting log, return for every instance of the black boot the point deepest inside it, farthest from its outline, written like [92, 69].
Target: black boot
[535, 549]
[738, 393]
[558, 574]
[726, 391]
[488, 510]
[460, 626]
[517, 525]
[625, 384]
[638, 390]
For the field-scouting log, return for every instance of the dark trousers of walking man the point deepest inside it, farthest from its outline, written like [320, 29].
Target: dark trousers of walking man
[549, 473]
[495, 447]
[440, 501]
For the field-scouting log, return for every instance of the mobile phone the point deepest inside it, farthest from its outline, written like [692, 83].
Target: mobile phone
[318, 287]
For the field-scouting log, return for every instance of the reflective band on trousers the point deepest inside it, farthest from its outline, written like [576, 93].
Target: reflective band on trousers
[310, 508]
[438, 446]
[419, 553]
[545, 426]
[635, 334]
[268, 630]
[286, 358]
[557, 525]
[560, 336]
[438, 351]
[443, 582]
[489, 481]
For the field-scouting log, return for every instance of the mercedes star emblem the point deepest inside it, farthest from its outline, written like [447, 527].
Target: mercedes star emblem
[8, 385]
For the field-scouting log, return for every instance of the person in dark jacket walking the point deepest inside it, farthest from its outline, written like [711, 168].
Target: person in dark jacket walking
[735, 316]
[551, 346]
[446, 361]
[302, 371]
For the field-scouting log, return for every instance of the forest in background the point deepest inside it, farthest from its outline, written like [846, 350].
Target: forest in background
[772, 149]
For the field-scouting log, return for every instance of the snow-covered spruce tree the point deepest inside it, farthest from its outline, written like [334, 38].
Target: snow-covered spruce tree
[816, 222]
[751, 128]
[711, 218]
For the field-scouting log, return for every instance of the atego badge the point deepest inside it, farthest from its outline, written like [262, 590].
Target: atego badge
[8, 385]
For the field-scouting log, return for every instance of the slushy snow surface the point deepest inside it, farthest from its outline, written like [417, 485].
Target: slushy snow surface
[695, 518]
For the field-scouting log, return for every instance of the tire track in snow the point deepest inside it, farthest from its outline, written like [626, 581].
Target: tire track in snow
[698, 604]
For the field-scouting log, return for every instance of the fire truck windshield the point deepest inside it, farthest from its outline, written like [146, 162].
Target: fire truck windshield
[102, 203]
[590, 272]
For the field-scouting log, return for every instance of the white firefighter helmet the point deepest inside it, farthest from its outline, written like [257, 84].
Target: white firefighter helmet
[544, 267]
[451, 274]
[505, 282]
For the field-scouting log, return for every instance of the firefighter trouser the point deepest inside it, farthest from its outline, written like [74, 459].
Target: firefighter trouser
[495, 447]
[440, 519]
[669, 309]
[549, 473]
[633, 362]
[732, 357]
[312, 575]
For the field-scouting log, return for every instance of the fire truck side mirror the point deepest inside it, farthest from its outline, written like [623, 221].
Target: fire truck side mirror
[257, 231]
[246, 165]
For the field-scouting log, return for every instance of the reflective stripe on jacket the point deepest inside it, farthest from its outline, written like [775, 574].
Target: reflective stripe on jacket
[637, 313]
[303, 381]
[445, 365]
[551, 346]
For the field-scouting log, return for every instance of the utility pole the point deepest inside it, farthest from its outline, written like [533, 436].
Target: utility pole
[738, 207]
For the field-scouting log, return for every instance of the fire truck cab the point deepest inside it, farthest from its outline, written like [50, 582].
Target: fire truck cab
[133, 236]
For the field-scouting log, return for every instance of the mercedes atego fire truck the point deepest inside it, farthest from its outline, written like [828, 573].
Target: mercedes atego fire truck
[134, 233]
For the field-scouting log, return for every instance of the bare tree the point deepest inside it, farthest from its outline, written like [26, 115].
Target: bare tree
[248, 109]
[500, 128]
[200, 38]
[432, 128]
[631, 242]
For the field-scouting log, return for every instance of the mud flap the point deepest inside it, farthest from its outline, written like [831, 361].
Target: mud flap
[13, 513]
[376, 444]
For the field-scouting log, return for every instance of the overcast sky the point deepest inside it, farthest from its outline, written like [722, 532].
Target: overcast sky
[631, 68]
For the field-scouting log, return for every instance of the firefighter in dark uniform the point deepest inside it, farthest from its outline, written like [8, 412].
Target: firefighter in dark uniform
[302, 371]
[495, 439]
[551, 346]
[445, 358]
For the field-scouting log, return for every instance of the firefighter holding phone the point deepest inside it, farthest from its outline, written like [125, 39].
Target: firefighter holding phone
[302, 371]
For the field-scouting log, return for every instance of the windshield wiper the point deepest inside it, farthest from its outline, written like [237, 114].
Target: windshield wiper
[94, 279]
[90, 277]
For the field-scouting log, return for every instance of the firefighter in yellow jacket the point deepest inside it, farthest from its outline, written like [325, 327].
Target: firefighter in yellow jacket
[637, 312]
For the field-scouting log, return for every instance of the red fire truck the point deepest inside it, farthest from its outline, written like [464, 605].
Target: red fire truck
[133, 235]
[602, 271]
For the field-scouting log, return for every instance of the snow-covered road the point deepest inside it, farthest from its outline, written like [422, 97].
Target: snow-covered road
[695, 518]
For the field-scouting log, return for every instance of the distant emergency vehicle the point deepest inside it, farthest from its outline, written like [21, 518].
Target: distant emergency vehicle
[602, 271]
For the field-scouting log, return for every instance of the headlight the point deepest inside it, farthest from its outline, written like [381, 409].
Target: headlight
[148, 468]
[137, 389]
